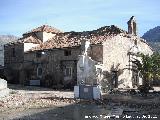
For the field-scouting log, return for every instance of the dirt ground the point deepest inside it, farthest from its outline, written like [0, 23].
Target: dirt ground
[36, 103]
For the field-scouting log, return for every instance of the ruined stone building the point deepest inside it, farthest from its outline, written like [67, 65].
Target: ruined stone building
[49, 57]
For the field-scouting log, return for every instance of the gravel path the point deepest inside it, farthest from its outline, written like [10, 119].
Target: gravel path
[35, 103]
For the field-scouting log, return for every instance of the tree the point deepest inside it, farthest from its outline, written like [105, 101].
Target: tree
[149, 68]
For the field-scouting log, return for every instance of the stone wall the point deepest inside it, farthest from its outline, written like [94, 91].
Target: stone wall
[13, 60]
[13, 53]
[58, 62]
[53, 63]
[88, 66]
[115, 57]
[96, 52]
[28, 46]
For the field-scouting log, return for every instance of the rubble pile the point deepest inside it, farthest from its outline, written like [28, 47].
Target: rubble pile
[25, 101]
[133, 99]
[34, 99]
[11, 101]
[134, 93]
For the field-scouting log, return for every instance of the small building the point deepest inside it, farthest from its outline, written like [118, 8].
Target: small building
[48, 57]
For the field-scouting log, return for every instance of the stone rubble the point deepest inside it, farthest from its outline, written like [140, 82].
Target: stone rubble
[36, 100]
[20, 100]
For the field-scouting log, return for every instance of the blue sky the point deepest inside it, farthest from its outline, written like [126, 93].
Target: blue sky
[20, 16]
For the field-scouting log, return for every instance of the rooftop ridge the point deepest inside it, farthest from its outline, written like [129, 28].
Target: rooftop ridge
[44, 28]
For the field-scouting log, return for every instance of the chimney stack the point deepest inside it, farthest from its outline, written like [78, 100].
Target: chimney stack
[132, 26]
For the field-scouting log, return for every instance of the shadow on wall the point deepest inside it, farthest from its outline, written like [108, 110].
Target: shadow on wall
[110, 80]
[51, 82]
[2, 74]
[11, 75]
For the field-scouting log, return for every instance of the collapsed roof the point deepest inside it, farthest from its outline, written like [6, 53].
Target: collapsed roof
[71, 39]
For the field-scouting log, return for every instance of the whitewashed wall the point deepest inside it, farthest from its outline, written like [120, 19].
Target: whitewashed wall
[28, 46]
[86, 70]
[115, 52]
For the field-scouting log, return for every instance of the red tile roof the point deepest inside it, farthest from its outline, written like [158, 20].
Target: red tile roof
[44, 28]
[27, 39]
[70, 39]
[31, 39]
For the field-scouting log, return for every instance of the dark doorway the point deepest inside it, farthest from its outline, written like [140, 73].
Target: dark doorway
[115, 79]
[69, 68]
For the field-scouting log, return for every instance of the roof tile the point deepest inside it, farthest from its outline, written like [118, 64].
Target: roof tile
[44, 28]
[71, 39]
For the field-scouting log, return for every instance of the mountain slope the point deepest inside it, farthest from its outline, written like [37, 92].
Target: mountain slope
[7, 38]
[153, 38]
[153, 35]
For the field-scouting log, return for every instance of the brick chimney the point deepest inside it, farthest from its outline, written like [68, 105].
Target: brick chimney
[132, 26]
